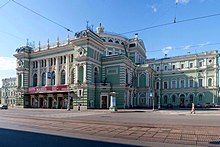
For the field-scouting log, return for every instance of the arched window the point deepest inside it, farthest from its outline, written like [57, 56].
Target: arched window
[191, 98]
[53, 78]
[51, 61]
[64, 60]
[110, 40]
[165, 99]
[62, 77]
[103, 40]
[117, 41]
[122, 43]
[95, 75]
[43, 79]
[35, 80]
[72, 77]
[210, 82]
[19, 80]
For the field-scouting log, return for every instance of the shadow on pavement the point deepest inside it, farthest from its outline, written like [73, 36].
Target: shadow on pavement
[12, 138]
[215, 142]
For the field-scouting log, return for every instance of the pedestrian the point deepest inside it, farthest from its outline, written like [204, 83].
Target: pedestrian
[193, 108]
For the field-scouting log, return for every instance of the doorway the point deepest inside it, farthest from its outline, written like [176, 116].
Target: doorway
[104, 102]
[182, 101]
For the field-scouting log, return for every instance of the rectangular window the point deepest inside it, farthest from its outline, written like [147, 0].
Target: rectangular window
[190, 65]
[165, 85]
[173, 84]
[165, 68]
[182, 66]
[158, 68]
[157, 85]
[174, 67]
[182, 83]
[200, 82]
[200, 64]
[112, 71]
[191, 83]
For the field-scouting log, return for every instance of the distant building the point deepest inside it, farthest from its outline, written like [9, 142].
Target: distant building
[91, 65]
[8, 91]
[183, 80]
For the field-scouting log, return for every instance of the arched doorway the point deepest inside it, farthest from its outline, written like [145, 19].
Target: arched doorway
[182, 101]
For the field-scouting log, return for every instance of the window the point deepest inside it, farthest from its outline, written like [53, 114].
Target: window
[210, 82]
[174, 67]
[200, 64]
[109, 52]
[165, 67]
[51, 61]
[174, 98]
[165, 99]
[117, 41]
[71, 59]
[53, 78]
[200, 82]
[110, 40]
[72, 76]
[54, 61]
[64, 60]
[95, 75]
[35, 80]
[173, 84]
[158, 68]
[165, 85]
[191, 83]
[132, 45]
[190, 65]
[43, 80]
[62, 77]
[182, 66]
[182, 83]
[157, 85]
[61, 60]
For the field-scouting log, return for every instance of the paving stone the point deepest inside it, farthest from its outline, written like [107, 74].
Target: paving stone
[174, 136]
[188, 137]
[146, 138]
[176, 131]
[204, 138]
[149, 134]
[134, 128]
[161, 135]
[184, 142]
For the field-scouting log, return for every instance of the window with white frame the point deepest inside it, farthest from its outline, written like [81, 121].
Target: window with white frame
[191, 81]
[190, 65]
[173, 67]
[158, 68]
[200, 63]
[182, 66]
[173, 85]
[165, 85]
[165, 67]
[200, 82]
[182, 83]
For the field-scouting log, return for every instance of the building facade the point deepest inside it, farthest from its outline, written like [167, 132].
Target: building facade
[187, 79]
[86, 69]
[8, 91]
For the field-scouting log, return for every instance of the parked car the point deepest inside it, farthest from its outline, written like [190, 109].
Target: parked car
[199, 105]
[209, 105]
[3, 106]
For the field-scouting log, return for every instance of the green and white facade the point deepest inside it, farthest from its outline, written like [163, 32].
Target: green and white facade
[188, 79]
[92, 65]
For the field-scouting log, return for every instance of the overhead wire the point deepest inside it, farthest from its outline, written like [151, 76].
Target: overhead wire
[5, 4]
[171, 23]
[58, 24]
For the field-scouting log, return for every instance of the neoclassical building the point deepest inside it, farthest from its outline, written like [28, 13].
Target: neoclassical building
[8, 91]
[187, 79]
[86, 69]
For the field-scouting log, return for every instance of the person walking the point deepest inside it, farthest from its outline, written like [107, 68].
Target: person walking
[193, 108]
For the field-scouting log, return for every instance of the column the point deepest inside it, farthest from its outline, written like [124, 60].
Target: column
[57, 72]
[67, 71]
[77, 68]
[84, 73]
[47, 70]
[38, 73]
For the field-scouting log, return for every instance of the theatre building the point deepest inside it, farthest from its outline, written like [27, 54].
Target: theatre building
[85, 68]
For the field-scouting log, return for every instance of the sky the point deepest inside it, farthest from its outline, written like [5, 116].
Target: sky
[18, 24]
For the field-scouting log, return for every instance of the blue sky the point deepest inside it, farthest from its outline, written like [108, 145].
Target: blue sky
[119, 16]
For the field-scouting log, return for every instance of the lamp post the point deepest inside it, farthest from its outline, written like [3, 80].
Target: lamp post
[151, 96]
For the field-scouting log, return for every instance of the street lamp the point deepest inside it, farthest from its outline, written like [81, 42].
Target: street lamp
[151, 96]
